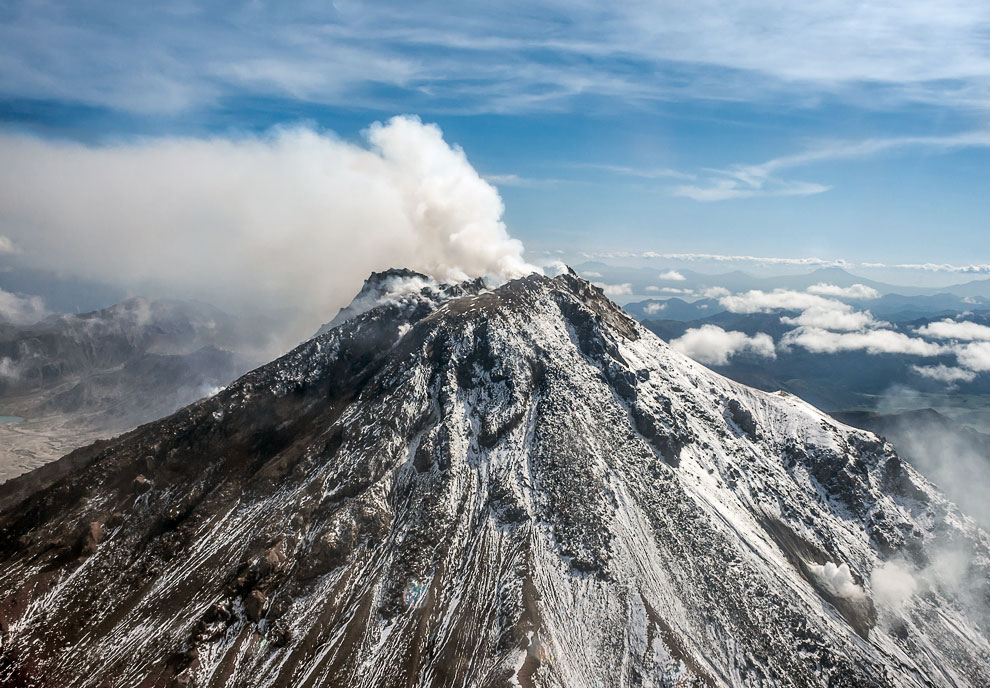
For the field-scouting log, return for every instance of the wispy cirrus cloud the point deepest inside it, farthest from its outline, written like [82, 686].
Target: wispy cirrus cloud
[733, 185]
[650, 173]
[974, 269]
[750, 181]
[509, 57]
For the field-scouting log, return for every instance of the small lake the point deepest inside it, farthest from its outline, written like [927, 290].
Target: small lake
[10, 419]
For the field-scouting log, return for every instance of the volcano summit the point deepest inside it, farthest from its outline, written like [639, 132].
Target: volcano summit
[463, 486]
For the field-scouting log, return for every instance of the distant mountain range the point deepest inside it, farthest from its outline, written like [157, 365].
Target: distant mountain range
[642, 279]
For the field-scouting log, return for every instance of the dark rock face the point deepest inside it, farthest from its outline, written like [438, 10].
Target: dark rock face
[743, 419]
[942, 450]
[463, 486]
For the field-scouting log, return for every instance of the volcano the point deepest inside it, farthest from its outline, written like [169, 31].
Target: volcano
[473, 486]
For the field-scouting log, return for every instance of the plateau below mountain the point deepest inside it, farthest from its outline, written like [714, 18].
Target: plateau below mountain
[73, 378]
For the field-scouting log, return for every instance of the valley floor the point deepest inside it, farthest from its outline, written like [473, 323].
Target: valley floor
[31, 443]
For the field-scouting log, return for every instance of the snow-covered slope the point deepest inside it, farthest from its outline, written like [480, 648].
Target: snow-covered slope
[472, 487]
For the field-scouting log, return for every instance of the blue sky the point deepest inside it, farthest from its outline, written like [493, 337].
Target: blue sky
[838, 129]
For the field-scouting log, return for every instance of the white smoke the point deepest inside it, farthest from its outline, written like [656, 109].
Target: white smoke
[893, 584]
[9, 370]
[950, 571]
[837, 579]
[294, 219]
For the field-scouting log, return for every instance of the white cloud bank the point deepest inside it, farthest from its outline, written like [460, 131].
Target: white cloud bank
[817, 311]
[826, 325]
[711, 345]
[296, 218]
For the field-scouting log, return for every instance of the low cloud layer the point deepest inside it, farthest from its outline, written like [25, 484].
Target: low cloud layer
[623, 289]
[831, 318]
[712, 345]
[953, 329]
[828, 319]
[818, 340]
[756, 301]
[20, 309]
[295, 219]
[975, 356]
[944, 373]
[856, 291]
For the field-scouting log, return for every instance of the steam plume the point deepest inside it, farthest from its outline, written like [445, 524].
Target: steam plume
[294, 219]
